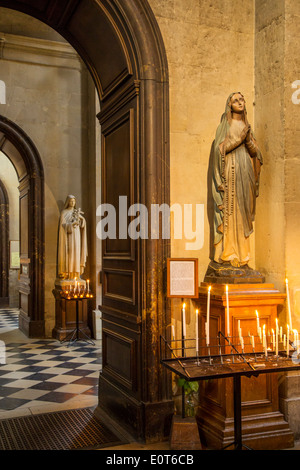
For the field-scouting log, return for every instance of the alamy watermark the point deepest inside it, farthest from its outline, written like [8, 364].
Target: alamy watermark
[296, 94]
[161, 221]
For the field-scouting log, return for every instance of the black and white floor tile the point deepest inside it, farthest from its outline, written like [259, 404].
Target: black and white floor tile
[43, 371]
[9, 318]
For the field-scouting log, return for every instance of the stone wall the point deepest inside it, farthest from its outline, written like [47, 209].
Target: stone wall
[50, 95]
[210, 52]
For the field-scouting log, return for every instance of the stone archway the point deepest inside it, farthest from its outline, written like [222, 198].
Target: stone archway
[19, 148]
[121, 45]
[4, 245]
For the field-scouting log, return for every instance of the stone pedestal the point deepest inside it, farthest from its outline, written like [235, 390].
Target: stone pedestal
[263, 425]
[289, 400]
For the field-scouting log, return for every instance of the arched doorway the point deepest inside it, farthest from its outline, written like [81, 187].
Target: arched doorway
[19, 148]
[121, 45]
[4, 245]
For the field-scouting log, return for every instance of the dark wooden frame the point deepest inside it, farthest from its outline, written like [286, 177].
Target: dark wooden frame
[196, 286]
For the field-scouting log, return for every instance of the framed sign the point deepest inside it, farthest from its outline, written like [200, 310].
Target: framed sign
[14, 254]
[182, 277]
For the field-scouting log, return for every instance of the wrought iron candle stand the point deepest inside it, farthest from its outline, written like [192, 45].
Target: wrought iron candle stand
[77, 334]
[229, 357]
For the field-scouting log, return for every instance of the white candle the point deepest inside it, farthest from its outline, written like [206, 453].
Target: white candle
[264, 339]
[273, 338]
[207, 315]
[173, 332]
[257, 321]
[88, 286]
[183, 321]
[252, 342]
[288, 302]
[227, 312]
[288, 340]
[239, 329]
[259, 332]
[280, 333]
[284, 340]
[276, 345]
[197, 347]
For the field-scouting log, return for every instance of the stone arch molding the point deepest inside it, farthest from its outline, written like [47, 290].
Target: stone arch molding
[122, 47]
[21, 151]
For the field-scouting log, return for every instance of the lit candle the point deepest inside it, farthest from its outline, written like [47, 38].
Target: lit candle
[227, 311]
[273, 338]
[207, 315]
[280, 333]
[288, 340]
[288, 302]
[284, 340]
[276, 345]
[88, 286]
[259, 332]
[173, 332]
[252, 342]
[197, 348]
[239, 329]
[257, 321]
[183, 321]
[265, 340]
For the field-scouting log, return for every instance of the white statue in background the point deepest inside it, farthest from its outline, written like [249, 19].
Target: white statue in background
[72, 241]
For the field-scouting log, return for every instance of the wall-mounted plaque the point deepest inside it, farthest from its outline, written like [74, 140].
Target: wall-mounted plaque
[14, 254]
[182, 277]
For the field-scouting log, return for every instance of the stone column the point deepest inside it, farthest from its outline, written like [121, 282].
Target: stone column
[276, 125]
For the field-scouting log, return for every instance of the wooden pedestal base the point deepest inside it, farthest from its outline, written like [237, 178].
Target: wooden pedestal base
[184, 434]
[65, 316]
[263, 425]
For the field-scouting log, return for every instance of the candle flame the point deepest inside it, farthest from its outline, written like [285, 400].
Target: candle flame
[197, 311]
[226, 287]
[256, 313]
[286, 281]
[209, 288]
[183, 306]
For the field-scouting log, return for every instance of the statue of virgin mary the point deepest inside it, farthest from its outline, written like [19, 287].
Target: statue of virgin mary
[235, 182]
[72, 241]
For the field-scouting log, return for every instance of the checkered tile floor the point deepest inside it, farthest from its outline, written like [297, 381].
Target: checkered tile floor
[43, 372]
[9, 318]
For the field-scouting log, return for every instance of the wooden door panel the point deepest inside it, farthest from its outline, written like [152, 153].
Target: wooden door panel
[120, 255]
